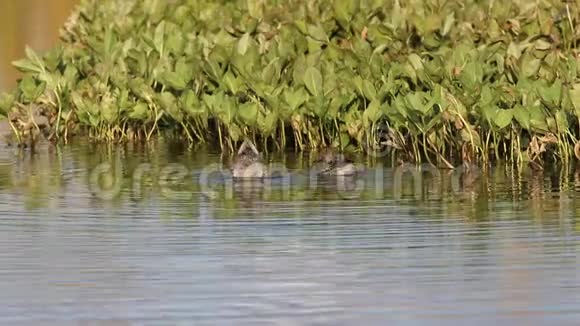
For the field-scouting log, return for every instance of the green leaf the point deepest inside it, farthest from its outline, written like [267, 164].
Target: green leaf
[503, 118]
[448, 24]
[562, 121]
[78, 101]
[53, 58]
[139, 111]
[344, 11]
[542, 45]
[255, 8]
[299, 69]
[416, 61]
[358, 84]
[373, 112]
[30, 89]
[248, 112]
[575, 98]
[34, 57]
[538, 118]
[529, 65]
[33, 63]
[550, 95]
[417, 101]
[295, 97]
[166, 99]
[182, 14]
[244, 44]
[313, 81]
[301, 25]
[471, 75]
[71, 76]
[271, 73]
[369, 90]
[183, 69]
[191, 105]
[488, 112]
[6, 102]
[159, 38]
[522, 116]
[233, 83]
[213, 70]
[94, 120]
[318, 33]
[486, 96]
[110, 45]
[173, 80]
[318, 105]
[175, 43]
[25, 65]
[267, 123]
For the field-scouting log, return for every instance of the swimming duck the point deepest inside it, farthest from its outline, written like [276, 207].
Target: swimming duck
[334, 163]
[248, 162]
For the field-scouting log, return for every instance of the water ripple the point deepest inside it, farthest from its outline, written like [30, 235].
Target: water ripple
[68, 257]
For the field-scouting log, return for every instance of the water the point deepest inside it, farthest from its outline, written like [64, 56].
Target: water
[502, 248]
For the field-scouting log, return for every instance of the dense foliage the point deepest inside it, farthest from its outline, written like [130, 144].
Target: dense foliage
[442, 80]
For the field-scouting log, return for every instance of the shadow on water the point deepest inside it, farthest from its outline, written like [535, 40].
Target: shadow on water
[173, 173]
[129, 233]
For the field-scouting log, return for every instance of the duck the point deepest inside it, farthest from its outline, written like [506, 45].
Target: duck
[335, 164]
[248, 162]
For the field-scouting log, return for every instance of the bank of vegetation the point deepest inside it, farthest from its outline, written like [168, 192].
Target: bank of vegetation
[444, 81]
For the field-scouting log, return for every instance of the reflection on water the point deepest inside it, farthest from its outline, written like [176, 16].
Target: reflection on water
[28, 22]
[447, 248]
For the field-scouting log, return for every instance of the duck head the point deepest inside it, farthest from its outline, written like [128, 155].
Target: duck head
[248, 163]
[335, 163]
[248, 151]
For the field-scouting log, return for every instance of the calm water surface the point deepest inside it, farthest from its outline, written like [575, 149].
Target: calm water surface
[500, 248]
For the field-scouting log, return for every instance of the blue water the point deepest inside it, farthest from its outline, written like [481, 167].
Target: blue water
[494, 251]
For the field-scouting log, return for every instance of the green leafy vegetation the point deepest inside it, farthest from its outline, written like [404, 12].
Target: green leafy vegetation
[439, 81]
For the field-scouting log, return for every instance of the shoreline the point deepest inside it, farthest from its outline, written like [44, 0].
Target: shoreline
[460, 85]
